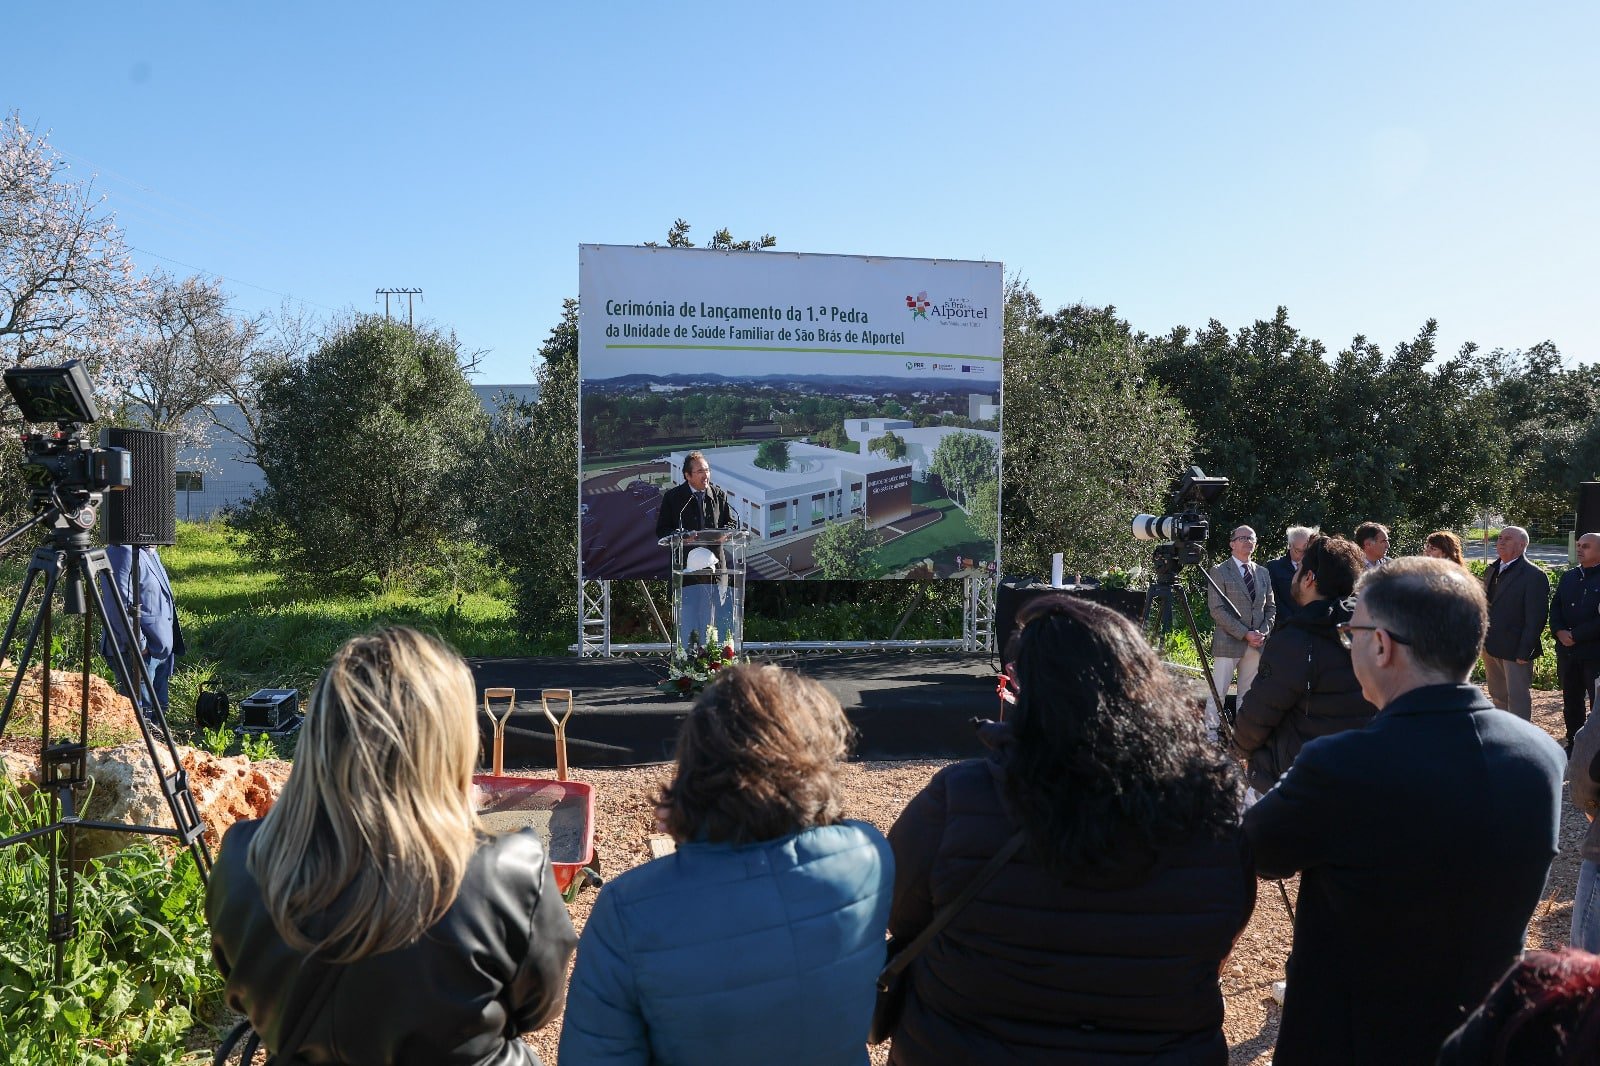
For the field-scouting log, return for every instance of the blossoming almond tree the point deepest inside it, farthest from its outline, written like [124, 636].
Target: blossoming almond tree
[68, 287]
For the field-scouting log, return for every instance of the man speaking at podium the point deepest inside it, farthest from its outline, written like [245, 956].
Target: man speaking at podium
[695, 504]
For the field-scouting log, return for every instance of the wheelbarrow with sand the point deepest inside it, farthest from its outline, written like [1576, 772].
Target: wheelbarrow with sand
[559, 810]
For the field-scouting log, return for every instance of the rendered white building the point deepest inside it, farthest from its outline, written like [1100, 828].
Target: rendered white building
[821, 485]
[920, 443]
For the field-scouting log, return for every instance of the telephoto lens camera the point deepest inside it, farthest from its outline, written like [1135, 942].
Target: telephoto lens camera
[1185, 525]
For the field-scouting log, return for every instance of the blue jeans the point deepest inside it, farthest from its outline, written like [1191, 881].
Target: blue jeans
[1586, 908]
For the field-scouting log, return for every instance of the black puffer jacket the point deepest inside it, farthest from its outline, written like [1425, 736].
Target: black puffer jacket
[1116, 968]
[1305, 688]
[492, 968]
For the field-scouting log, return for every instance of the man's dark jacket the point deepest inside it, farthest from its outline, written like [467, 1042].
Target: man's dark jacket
[1424, 841]
[1111, 966]
[1305, 689]
[1576, 606]
[679, 510]
[1282, 571]
[1518, 600]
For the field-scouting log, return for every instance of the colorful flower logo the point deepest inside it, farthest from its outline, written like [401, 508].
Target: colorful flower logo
[919, 304]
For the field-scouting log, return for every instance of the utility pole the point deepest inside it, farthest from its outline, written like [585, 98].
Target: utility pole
[408, 293]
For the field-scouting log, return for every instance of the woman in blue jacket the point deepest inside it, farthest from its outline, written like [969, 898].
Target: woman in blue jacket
[760, 938]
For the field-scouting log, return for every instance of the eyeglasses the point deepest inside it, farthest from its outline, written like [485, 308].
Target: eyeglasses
[1345, 629]
[1252, 540]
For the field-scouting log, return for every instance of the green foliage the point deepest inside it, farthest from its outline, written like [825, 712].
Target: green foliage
[365, 447]
[135, 978]
[216, 741]
[983, 510]
[891, 445]
[963, 461]
[845, 549]
[1407, 439]
[529, 477]
[257, 747]
[773, 455]
[1089, 439]
[1547, 415]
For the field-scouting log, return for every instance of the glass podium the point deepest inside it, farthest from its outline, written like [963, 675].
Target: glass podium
[707, 587]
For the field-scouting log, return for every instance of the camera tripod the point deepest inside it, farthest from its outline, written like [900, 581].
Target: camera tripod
[1168, 564]
[70, 564]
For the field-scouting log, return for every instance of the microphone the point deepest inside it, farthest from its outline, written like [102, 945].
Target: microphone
[684, 508]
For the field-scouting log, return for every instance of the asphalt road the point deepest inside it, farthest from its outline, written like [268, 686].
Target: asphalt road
[1539, 553]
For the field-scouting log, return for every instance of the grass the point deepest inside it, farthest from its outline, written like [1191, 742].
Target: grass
[248, 626]
[953, 535]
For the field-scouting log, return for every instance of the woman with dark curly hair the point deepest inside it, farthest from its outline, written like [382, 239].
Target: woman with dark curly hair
[1101, 941]
[760, 938]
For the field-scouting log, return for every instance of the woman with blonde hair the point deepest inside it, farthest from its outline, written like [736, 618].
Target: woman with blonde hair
[760, 938]
[1443, 544]
[368, 918]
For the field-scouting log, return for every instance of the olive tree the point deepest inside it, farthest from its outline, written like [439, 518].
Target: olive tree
[366, 446]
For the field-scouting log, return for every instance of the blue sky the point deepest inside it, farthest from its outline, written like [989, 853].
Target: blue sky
[1370, 167]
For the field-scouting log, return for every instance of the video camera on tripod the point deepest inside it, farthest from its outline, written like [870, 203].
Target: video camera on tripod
[68, 479]
[1183, 532]
[61, 467]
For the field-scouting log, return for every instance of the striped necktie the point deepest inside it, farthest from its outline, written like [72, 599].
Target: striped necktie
[1249, 581]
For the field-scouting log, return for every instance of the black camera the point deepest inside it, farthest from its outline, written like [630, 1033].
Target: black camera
[1185, 524]
[63, 461]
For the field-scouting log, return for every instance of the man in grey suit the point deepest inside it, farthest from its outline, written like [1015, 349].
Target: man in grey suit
[1519, 596]
[1242, 623]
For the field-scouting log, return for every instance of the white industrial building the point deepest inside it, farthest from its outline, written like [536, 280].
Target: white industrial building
[219, 473]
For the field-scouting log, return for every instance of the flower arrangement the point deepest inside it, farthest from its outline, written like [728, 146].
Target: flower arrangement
[694, 670]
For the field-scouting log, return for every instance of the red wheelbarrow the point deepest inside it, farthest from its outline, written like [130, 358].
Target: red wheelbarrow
[561, 811]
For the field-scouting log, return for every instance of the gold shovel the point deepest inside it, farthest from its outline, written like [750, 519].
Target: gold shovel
[499, 720]
[558, 725]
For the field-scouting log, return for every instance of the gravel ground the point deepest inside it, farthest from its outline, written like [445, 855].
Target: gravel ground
[878, 791]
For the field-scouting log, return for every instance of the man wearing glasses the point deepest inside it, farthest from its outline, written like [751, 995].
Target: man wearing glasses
[1242, 622]
[1423, 840]
[696, 503]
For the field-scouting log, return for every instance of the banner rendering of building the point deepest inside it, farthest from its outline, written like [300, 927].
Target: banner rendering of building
[848, 405]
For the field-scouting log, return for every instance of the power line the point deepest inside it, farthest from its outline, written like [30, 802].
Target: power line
[233, 281]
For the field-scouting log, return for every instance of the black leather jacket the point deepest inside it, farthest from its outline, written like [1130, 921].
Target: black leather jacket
[492, 968]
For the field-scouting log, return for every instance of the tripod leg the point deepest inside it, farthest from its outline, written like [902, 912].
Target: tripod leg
[180, 800]
[1224, 729]
[48, 567]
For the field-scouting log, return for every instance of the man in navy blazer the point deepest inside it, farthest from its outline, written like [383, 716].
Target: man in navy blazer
[1283, 570]
[1423, 839]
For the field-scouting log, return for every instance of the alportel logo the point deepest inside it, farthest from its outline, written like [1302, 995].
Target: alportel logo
[919, 304]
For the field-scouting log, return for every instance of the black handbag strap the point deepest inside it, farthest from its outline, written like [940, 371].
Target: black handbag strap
[902, 959]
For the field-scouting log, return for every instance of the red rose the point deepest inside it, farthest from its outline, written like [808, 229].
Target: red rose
[714, 667]
[727, 653]
[685, 684]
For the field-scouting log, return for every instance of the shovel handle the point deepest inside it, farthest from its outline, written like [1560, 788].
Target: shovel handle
[499, 720]
[559, 725]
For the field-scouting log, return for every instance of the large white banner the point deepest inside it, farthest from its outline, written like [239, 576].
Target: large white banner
[848, 405]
